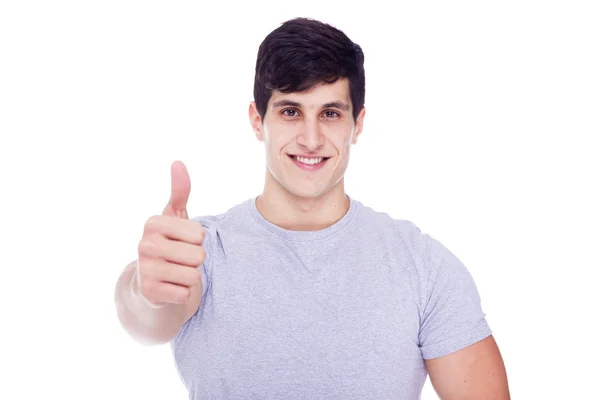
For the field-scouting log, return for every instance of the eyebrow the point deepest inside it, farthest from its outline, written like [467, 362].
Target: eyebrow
[286, 103]
[333, 104]
[337, 104]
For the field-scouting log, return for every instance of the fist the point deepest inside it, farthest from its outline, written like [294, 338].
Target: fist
[170, 250]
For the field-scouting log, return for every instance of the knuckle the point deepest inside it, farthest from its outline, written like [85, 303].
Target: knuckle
[146, 267]
[183, 294]
[146, 247]
[195, 276]
[147, 287]
[201, 255]
[152, 224]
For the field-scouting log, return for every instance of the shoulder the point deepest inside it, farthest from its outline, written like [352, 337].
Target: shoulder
[440, 273]
[380, 223]
[428, 254]
[213, 222]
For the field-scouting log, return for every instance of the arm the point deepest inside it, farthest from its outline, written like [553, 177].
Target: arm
[159, 292]
[460, 352]
[476, 372]
[146, 323]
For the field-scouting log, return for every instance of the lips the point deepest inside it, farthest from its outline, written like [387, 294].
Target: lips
[309, 163]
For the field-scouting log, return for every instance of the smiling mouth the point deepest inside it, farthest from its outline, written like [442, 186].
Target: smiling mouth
[309, 161]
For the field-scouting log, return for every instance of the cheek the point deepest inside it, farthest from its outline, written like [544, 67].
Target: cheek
[342, 143]
[278, 141]
[274, 146]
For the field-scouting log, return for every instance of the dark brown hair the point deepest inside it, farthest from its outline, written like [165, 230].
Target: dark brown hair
[302, 53]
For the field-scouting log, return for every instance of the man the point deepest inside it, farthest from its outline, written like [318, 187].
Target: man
[303, 292]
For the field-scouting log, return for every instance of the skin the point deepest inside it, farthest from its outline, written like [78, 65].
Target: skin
[305, 123]
[476, 372]
[160, 290]
[297, 199]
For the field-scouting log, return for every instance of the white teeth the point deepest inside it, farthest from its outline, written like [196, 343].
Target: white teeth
[309, 161]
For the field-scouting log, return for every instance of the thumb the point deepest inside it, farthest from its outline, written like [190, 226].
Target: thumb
[180, 191]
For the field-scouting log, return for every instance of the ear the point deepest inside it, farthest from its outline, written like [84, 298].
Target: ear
[255, 121]
[358, 126]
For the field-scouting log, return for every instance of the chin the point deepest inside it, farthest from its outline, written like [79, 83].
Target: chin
[299, 187]
[307, 193]
[304, 190]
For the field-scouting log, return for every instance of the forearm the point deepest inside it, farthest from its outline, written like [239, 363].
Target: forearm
[146, 324]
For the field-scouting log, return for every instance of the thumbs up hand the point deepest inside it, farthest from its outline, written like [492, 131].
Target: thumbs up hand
[171, 248]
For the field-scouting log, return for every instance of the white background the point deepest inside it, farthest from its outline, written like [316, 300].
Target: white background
[482, 128]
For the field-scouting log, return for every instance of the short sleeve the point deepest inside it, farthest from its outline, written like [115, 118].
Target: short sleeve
[210, 243]
[208, 223]
[451, 315]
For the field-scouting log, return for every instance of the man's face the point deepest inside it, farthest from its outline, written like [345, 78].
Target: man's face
[307, 137]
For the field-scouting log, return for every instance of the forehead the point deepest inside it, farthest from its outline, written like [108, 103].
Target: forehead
[316, 96]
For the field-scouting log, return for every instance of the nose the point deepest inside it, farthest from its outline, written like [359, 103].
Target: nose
[310, 136]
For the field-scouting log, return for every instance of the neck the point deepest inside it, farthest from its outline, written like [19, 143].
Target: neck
[296, 213]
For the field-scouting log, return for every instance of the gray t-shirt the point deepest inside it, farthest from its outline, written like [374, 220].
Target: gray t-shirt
[347, 312]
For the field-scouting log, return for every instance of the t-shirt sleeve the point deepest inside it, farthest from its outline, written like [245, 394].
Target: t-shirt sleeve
[451, 314]
[205, 271]
[208, 224]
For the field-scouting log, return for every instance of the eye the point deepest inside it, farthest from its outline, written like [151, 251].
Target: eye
[289, 112]
[332, 114]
